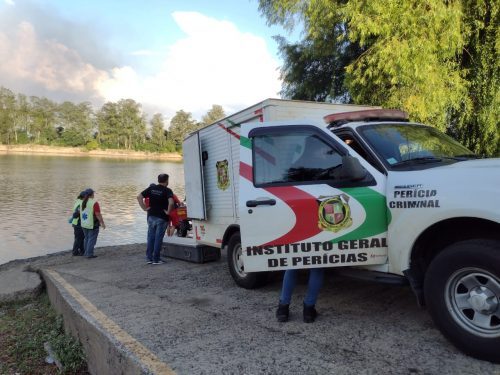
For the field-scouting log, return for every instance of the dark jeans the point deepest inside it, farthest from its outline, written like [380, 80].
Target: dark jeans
[78, 243]
[156, 232]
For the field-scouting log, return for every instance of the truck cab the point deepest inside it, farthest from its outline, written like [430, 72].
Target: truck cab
[373, 191]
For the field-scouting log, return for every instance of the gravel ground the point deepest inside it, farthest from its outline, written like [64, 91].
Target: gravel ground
[195, 319]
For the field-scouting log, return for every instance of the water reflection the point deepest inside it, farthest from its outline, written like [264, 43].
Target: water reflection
[37, 195]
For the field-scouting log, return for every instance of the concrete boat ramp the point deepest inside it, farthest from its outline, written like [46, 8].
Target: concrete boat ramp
[189, 318]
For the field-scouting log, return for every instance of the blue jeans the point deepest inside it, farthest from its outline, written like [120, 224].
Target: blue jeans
[313, 286]
[90, 240]
[156, 232]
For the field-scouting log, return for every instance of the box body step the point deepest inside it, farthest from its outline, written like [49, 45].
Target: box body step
[191, 253]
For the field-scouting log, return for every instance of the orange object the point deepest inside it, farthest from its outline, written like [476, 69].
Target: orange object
[181, 213]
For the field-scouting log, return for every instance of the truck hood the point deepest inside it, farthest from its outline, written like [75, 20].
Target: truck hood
[469, 174]
[468, 188]
[493, 163]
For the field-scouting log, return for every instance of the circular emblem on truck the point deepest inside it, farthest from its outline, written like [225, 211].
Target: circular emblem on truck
[334, 213]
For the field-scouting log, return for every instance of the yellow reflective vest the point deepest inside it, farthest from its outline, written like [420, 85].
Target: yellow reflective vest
[78, 202]
[87, 214]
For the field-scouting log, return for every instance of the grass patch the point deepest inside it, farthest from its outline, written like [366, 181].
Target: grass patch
[24, 328]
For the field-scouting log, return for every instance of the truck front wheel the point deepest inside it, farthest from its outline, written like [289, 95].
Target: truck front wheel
[247, 280]
[462, 292]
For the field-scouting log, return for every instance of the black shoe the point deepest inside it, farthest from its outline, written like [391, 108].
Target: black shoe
[282, 313]
[310, 314]
[92, 256]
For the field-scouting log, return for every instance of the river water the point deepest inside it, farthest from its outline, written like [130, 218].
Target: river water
[37, 195]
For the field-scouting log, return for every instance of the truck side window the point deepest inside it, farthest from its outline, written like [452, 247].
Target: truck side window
[294, 157]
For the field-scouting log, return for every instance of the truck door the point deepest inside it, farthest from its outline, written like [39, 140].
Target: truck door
[300, 206]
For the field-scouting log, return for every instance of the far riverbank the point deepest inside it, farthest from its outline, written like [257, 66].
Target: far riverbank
[76, 151]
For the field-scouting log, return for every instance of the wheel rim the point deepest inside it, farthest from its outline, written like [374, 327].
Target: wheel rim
[238, 261]
[473, 299]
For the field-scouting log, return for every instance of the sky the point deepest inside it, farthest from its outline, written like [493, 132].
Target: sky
[168, 55]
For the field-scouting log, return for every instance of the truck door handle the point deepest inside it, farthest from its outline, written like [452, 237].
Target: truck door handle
[261, 202]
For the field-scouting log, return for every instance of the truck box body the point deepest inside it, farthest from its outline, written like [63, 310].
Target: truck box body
[214, 207]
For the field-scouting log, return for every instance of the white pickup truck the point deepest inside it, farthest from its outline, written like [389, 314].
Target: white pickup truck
[366, 191]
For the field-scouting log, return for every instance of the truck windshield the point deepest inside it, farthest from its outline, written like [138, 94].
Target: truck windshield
[401, 145]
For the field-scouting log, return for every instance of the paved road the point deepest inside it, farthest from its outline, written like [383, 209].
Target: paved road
[197, 321]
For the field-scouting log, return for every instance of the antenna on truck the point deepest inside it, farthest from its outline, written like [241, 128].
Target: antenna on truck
[337, 119]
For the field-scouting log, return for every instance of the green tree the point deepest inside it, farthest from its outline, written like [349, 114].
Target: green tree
[44, 119]
[410, 58]
[23, 119]
[7, 114]
[181, 125]
[310, 72]
[315, 67]
[108, 125]
[76, 121]
[215, 113]
[132, 124]
[476, 122]
[436, 59]
[158, 138]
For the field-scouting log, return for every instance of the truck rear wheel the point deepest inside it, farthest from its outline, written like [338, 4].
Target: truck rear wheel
[462, 292]
[247, 280]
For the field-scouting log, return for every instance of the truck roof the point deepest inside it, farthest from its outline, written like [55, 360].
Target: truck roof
[284, 109]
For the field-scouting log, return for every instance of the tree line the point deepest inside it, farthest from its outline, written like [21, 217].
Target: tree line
[116, 125]
[436, 59]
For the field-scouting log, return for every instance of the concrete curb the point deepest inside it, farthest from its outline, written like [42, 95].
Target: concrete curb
[104, 354]
[19, 283]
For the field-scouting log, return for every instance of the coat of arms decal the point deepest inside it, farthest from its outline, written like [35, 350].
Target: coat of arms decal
[334, 213]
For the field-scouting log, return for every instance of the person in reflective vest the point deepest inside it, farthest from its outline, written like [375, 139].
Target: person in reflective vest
[78, 243]
[91, 219]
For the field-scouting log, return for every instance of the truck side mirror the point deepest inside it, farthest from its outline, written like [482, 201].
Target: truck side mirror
[352, 169]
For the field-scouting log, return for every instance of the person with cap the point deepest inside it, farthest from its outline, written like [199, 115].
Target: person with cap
[78, 247]
[161, 203]
[91, 219]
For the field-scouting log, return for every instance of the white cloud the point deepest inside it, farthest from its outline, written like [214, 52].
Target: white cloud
[144, 52]
[9, 2]
[48, 63]
[214, 63]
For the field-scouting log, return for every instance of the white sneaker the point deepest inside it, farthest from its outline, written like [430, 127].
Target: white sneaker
[159, 262]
